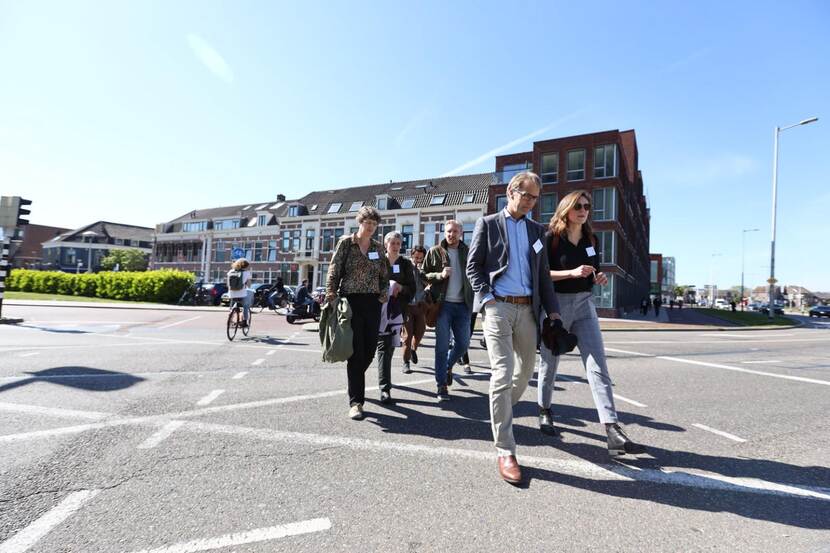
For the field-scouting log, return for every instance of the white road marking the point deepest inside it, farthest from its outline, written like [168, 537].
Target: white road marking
[30, 535]
[761, 362]
[718, 432]
[208, 399]
[162, 434]
[240, 374]
[271, 352]
[575, 467]
[53, 411]
[251, 536]
[631, 401]
[259, 361]
[31, 353]
[724, 367]
[754, 334]
[180, 322]
[156, 419]
[709, 341]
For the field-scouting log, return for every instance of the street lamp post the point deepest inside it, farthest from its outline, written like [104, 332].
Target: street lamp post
[743, 244]
[91, 234]
[712, 287]
[778, 130]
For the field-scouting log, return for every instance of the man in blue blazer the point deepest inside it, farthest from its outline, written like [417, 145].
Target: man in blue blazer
[509, 273]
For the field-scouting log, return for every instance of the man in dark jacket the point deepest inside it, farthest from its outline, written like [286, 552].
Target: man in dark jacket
[444, 270]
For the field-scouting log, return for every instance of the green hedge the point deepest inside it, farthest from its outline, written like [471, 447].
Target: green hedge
[155, 286]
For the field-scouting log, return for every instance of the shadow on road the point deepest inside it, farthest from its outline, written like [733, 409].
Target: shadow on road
[84, 378]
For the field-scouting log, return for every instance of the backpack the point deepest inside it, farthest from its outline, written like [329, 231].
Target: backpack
[235, 282]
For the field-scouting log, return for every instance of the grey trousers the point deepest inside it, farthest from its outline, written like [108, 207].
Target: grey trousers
[579, 316]
[510, 331]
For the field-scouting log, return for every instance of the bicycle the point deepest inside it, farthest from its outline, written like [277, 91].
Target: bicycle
[236, 319]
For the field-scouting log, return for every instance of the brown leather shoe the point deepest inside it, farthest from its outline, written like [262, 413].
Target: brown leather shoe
[509, 469]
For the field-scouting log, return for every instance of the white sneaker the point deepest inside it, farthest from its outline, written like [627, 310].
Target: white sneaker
[356, 412]
[467, 369]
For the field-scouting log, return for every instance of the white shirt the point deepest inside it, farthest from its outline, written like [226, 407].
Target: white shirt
[246, 281]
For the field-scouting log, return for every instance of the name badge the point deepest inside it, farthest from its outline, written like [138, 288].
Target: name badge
[396, 269]
[590, 251]
[374, 255]
[537, 246]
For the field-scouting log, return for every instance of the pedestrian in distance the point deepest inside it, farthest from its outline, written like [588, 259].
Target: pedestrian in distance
[238, 280]
[671, 304]
[644, 303]
[359, 272]
[574, 270]
[508, 269]
[415, 324]
[657, 303]
[444, 270]
[401, 277]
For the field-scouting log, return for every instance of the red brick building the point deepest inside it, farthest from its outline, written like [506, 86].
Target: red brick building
[605, 164]
[29, 255]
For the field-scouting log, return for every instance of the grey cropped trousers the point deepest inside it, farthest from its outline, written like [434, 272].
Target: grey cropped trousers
[579, 316]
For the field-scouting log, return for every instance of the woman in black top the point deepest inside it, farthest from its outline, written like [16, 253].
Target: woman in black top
[574, 269]
[401, 291]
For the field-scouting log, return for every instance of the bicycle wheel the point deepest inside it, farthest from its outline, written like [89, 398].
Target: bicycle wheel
[247, 328]
[233, 325]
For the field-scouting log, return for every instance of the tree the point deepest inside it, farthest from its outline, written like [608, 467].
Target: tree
[127, 260]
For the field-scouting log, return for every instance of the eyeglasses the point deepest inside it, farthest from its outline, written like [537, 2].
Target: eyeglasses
[579, 207]
[526, 195]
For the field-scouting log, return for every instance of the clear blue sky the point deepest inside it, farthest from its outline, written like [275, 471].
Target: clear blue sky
[140, 111]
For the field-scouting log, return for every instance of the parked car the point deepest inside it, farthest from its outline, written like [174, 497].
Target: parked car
[721, 303]
[226, 299]
[820, 311]
[214, 290]
[776, 309]
[753, 306]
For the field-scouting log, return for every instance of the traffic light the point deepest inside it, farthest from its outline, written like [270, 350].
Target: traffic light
[22, 212]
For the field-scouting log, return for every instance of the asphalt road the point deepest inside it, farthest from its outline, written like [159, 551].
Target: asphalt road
[142, 430]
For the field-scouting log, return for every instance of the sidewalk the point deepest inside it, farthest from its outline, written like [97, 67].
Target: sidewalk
[113, 305]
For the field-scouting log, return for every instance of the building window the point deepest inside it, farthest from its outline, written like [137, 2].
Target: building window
[501, 203]
[272, 250]
[293, 211]
[262, 220]
[509, 171]
[604, 295]
[406, 234]
[258, 251]
[309, 239]
[322, 274]
[224, 224]
[467, 199]
[548, 208]
[196, 226]
[119, 242]
[466, 233]
[408, 203]
[355, 206]
[438, 199]
[383, 202]
[550, 168]
[576, 165]
[606, 245]
[605, 161]
[313, 208]
[219, 252]
[334, 208]
[429, 235]
[605, 204]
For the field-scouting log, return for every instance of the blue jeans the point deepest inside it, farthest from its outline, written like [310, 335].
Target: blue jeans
[455, 318]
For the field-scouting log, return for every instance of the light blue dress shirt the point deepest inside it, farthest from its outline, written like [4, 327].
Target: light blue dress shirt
[516, 280]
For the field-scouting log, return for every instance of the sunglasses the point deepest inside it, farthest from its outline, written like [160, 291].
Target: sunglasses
[579, 207]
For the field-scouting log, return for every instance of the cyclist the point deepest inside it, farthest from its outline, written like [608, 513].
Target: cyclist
[276, 293]
[239, 279]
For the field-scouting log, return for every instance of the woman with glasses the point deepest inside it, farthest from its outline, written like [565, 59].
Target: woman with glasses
[573, 257]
